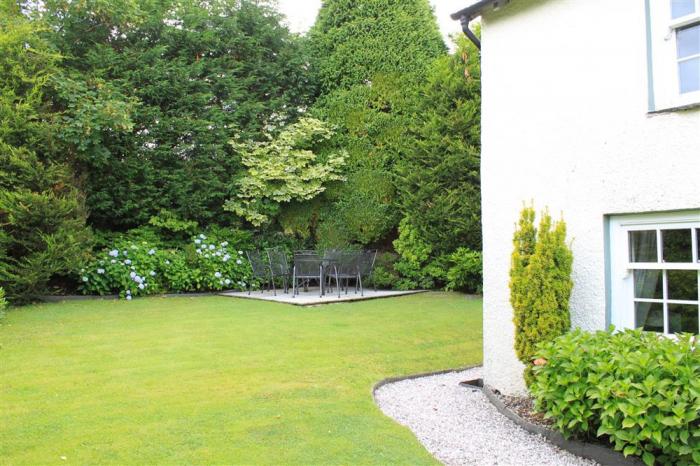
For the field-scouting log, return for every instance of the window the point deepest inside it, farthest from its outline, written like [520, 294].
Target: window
[673, 31]
[655, 272]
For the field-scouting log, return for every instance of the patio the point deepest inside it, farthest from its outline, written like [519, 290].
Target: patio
[311, 296]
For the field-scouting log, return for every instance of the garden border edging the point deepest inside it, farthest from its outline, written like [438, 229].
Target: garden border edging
[604, 455]
[599, 453]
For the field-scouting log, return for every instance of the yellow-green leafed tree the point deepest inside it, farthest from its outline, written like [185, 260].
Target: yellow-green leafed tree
[293, 166]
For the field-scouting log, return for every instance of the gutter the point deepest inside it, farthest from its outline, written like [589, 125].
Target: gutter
[469, 13]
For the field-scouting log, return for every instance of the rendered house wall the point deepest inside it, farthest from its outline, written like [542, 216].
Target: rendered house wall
[565, 125]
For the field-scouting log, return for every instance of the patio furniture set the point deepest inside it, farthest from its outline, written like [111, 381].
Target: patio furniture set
[333, 269]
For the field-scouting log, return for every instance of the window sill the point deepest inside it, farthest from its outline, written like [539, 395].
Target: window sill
[680, 108]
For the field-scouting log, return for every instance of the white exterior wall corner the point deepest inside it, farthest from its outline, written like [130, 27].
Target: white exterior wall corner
[565, 125]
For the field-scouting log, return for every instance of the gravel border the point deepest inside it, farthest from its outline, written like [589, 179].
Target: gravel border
[460, 426]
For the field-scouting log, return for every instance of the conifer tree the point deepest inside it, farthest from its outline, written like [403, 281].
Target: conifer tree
[540, 283]
[370, 59]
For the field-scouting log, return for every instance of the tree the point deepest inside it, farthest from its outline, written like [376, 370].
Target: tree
[369, 59]
[154, 90]
[440, 177]
[540, 283]
[42, 214]
[290, 167]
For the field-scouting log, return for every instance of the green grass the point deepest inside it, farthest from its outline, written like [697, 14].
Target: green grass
[220, 380]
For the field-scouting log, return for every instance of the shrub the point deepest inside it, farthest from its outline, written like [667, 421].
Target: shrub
[414, 256]
[640, 390]
[465, 274]
[385, 275]
[540, 283]
[3, 302]
[43, 216]
[138, 268]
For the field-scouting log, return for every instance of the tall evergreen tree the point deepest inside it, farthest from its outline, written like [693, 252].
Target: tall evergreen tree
[369, 60]
[440, 180]
[42, 214]
[154, 91]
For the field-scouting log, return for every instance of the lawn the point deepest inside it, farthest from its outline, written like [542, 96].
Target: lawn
[220, 380]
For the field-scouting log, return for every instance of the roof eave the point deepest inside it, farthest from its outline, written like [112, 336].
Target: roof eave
[476, 9]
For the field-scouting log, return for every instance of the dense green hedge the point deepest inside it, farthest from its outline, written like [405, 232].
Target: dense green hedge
[639, 390]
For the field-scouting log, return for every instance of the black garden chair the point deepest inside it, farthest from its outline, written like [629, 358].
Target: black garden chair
[308, 265]
[279, 267]
[260, 265]
[344, 265]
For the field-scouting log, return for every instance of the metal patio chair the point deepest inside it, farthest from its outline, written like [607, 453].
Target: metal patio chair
[260, 265]
[308, 265]
[345, 265]
[279, 267]
[366, 268]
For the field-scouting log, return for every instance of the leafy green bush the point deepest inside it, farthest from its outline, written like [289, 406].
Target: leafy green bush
[385, 275]
[640, 390]
[540, 283]
[414, 255]
[3, 302]
[138, 268]
[466, 272]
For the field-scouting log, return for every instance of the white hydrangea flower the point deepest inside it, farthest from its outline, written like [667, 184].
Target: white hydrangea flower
[132, 274]
[138, 279]
[85, 279]
[197, 241]
[127, 262]
[141, 286]
[151, 252]
[100, 271]
[217, 274]
[206, 256]
[227, 281]
[226, 258]
[152, 273]
[224, 244]
[199, 251]
[167, 262]
[114, 253]
[212, 247]
[239, 262]
[240, 253]
[202, 236]
[113, 261]
[128, 297]
[128, 291]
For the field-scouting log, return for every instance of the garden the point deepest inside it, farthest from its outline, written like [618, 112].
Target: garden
[146, 147]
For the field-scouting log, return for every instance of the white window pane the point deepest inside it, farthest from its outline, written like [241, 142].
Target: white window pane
[681, 8]
[688, 40]
[689, 75]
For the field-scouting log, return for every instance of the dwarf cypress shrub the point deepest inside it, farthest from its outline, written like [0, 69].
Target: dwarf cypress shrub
[540, 283]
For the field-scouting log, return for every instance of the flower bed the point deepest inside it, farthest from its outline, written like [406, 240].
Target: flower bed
[132, 268]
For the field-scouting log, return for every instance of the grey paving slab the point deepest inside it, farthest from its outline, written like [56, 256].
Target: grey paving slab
[312, 298]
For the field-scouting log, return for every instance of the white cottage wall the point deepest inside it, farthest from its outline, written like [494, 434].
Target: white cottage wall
[565, 125]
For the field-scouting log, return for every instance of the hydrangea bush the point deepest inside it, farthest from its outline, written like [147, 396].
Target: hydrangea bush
[133, 268]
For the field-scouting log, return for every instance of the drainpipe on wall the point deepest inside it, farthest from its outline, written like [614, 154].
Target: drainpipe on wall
[464, 21]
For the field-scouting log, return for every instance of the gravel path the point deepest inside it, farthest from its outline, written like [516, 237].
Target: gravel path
[460, 426]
